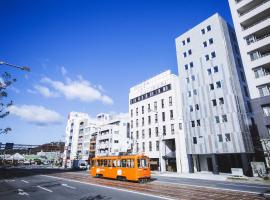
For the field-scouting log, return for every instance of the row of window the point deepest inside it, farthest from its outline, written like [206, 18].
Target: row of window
[218, 119]
[264, 90]
[184, 42]
[128, 163]
[156, 132]
[208, 28]
[162, 103]
[149, 146]
[151, 94]
[149, 119]
[185, 54]
[209, 42]
[212, 85]
[190, 65]
[212, 54]
[190, 78]
[194, 93]
[212, 70]
[221, 138]
[195, 107]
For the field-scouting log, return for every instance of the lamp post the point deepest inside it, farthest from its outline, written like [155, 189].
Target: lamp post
[159, 138]
[24, 68]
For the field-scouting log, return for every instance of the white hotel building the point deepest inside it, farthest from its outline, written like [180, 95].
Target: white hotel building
[156, 124]
[214, 98]
[252, 25]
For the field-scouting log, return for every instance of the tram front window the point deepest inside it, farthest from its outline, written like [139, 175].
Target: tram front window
[142, 163]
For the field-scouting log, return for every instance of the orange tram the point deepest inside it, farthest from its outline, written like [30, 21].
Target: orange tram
[131, 168]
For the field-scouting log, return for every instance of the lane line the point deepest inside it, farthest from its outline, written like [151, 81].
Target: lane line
[113, 188]
[68, 186]
[21, 192]
[43, 188]
[215, 188]
[24, 181]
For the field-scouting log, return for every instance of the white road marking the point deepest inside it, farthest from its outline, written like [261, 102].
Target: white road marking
[215, 188]
[24, 181]
[43, 188]
[253, 186]
[113, 188]
[21, 192]
[66, 185]
[10, 180]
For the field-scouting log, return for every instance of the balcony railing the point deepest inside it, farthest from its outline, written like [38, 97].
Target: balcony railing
[241, 14]
[260, 56]
[256, 39]
[245, 28]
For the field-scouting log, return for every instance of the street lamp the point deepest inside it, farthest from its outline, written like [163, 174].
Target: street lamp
[159, 138]
[24, 68]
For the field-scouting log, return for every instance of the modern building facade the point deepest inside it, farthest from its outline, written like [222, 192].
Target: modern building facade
[156, 124]
[112, 137]
[252, 25]
[214, 98]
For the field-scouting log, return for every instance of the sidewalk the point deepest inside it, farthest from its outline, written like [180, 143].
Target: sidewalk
[212, 177]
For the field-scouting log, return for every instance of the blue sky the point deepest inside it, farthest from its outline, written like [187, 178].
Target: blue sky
[85, 55]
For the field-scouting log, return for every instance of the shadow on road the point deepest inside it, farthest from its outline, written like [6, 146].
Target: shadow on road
[9, 173]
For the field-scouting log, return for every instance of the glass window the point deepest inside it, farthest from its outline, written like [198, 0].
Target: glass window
[217, 119]
[143, 134]
[266, 110]
[213, 54]
[184, 42]
[204, 44]
[143, 147]
[198, 122]
[214, 102]
[189, 93]
[203, 31]
[192, 123]
[189, 52]
[185, 54]
[149, 132]
[221, 101]
[191, 64]
[170, 101]
[193, 77]
[163, 116]
[227, 137]
[195, 92]
[171, 114]
[220, 139]
[188, 40]
[211, 41]
[209, 71]
[156, 130]
[150, 146]
[194, 140]
[186, 66]
[206, 57]
[190, 108]
[164, 130]
[218, 84]
[211, 86]
[157, 145]
[208, 28]
[216, 69]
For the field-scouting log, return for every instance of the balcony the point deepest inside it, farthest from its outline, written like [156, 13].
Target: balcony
[260, 53]
[250, 7]
[256, 19]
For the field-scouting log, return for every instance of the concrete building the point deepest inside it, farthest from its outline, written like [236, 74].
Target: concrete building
[112, 137]
[214, 98]
[252, 25]
[156, 124]
[78, 135]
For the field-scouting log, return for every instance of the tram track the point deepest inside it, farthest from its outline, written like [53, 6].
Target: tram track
[173, 191]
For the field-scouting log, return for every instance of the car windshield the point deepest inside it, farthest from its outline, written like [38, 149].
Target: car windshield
[82, 164]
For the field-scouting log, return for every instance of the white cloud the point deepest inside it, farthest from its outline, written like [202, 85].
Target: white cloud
[63, 71]
[16, 90]
[37, 115]
[45, 91]
[78, 89]
[31, 91]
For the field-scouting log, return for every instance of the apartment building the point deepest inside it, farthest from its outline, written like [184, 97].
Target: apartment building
[78, 134]
[112, 137]
[156, 124]
[214, 98]
[252, 25]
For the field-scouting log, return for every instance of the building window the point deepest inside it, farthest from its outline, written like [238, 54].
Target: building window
[156, 130]
[149, 119]
[220, 139]
[187, 79]
[155, 105]
[137, 135]
[218, 84]
[192, 123]
[266, 110]
[190, 108]
[170, 101]
[209, 71]
[191, 64]
[224, 118]
[221, 101]
[131, 124]
[213, 54]
[142, 121]
[188, 40]
[157, 145]
[163, 116]
[149, 107]
[189, 52]
[180, 126]
[211, 86]
[156, 118]
[136, 111]
[186, 66]
[195, 92]
[189, 93]
[206, 57]
[137, 122]
[164, 130]
[171, 114]
[211, 41]
[143, 147]
[217, 119]
[131, 113]
[208, 28]
[142, 109]
[194, 140]
[116, 141]
[184, 42]
[143, 134]
[149, 133]
[197, 107]
[264, 90]
[227, 137]
[185, 54]
[193, 78]
[203, 31]
[162, 103]
[137, 147]
[172, 128]
[215, 69]
[198, 122]
[204, 44]
[150, 146]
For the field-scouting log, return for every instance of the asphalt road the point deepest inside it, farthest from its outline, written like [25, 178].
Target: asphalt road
[43, 187]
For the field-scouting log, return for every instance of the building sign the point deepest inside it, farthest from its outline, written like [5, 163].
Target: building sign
[237, 172]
